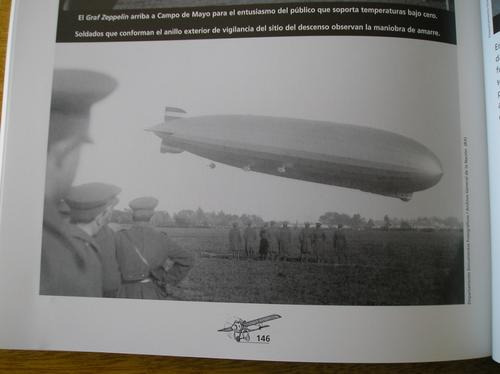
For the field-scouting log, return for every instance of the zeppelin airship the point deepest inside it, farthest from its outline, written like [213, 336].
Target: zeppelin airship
[350, 156]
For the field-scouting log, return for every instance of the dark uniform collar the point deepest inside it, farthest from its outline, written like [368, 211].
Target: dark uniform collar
[77, 233]
[53, 224]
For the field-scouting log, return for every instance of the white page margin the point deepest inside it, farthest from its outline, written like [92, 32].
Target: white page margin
[305, 333]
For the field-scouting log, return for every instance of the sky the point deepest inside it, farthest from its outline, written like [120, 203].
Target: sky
[406, 86]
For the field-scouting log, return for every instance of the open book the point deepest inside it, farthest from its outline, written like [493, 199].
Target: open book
[270, 180]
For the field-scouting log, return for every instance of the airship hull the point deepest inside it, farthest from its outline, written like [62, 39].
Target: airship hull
[349, 156]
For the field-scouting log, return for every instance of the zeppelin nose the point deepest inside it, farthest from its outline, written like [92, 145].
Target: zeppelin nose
[432, 169]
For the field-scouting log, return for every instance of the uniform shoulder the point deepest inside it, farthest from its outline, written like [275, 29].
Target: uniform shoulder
[75, 232]
[146, 230]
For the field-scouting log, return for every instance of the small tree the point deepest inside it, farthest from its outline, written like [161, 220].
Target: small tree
[185, 218]
[405, 225]
[356, 221]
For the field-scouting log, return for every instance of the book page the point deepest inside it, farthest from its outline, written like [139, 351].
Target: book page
[300, 181]
[491, 45]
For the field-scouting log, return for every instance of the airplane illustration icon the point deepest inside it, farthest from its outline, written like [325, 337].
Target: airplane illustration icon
[241, 329]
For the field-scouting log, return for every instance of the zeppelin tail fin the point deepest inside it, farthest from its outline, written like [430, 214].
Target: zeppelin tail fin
[173, 113]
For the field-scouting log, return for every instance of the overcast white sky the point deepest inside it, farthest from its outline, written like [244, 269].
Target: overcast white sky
[406, 86]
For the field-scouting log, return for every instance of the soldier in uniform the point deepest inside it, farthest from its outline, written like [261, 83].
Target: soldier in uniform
[305, 242]
[91, 206]
[273, 238]
[250, 240]
[285, 241]
[340, 245]
[318, 242]
[106, 241]
[264, 241]
[151, 263]
[235, 241]
[263, 244]
[68, 267]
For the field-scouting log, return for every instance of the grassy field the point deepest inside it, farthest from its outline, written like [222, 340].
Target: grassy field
[385, 268]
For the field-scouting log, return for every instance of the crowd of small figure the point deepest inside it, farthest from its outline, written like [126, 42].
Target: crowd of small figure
[274, 243]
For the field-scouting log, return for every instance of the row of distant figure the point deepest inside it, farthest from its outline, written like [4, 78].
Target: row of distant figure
[274, 243]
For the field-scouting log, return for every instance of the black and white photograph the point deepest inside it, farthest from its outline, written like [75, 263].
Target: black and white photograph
[297, 170]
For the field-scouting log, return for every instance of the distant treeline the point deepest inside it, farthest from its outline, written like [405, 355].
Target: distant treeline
[200, 218]
[357, 222]
[191, 218]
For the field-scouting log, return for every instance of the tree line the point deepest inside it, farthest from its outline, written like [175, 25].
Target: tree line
[356, 221]
[200, 218]
[191, 218]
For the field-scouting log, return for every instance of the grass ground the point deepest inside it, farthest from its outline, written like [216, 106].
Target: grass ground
[384, 268]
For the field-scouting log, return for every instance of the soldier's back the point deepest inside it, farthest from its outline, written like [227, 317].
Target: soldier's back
[146, 255]
[106, 242]
[137, 252]
[340, 239]
[235, 239]
[143, 241]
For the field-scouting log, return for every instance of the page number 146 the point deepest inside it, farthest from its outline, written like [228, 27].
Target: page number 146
[264, 338]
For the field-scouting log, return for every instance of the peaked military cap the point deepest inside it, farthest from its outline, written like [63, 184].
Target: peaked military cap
[73, 94]
[74, 91]
[143, 208]
[86, 201]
